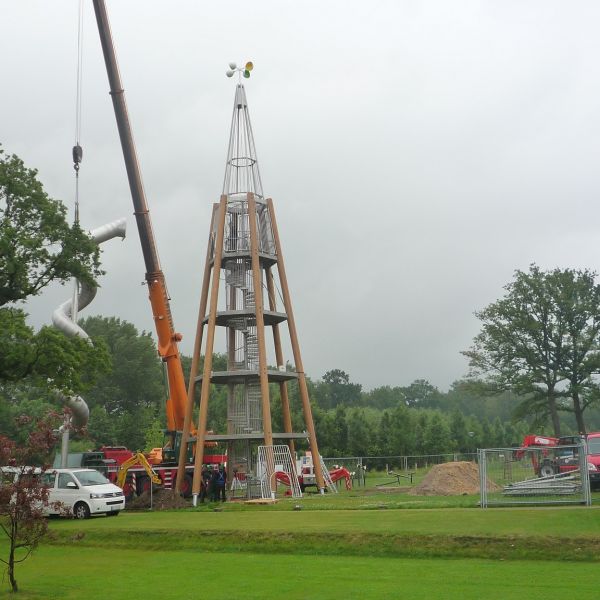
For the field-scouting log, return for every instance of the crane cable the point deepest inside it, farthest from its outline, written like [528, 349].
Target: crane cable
[77, 149]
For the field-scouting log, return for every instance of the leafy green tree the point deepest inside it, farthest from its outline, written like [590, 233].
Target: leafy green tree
[133, 393]
[37, 245]
[154, 435]
[541, 334]
[384, 397]
[436, 435]
[47, 358]
[420, 425]
[403, 438]
[421, 394]
[102, 427]
[385, 435]
[336, 389]
[577, 299]
[360, 436]
[459, 431]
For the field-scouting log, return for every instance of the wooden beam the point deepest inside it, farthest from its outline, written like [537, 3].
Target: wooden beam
[210, 342]
[185, 434]
[283, 391]
[287, 302]
[260, 322]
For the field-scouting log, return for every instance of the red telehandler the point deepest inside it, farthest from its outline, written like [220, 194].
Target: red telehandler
[550, 462]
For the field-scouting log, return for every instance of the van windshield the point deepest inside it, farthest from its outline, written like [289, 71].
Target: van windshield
[91, 478]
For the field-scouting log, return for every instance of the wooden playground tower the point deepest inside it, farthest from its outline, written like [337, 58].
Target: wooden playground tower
[243, 272]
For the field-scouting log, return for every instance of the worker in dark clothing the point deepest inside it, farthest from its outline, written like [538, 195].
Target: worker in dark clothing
[205, 476]
[219, 481]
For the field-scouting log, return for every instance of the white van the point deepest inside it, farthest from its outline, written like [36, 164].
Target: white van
[83, 492]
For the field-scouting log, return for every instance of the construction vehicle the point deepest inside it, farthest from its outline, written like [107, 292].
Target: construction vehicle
[178, 411]
[137, 459]
[135, 478]
[306, 473]
[553, 459]
[155, 279]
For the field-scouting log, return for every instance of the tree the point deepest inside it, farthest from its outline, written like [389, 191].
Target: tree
[459, 431]
[336, 389]
[37, 245]
[541, 341]
[48, 357]
[360, 436]
[384, 397]
[436, 435]
[420, 393]
[403, 439]
[24, 497]
[133, 393]
[578, 300]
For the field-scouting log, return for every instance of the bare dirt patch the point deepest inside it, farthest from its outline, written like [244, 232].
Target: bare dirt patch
[161, 500]
[451, 479]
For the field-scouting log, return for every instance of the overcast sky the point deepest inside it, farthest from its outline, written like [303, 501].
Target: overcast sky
[417, 153]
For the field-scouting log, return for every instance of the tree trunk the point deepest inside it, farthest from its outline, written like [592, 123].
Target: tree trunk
[578, 412]
[553, 412]
[11, 559]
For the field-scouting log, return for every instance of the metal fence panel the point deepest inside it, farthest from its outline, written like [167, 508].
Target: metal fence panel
[540, 476]
[360, 465]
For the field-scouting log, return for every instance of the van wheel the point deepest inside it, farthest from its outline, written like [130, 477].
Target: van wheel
[81, 511]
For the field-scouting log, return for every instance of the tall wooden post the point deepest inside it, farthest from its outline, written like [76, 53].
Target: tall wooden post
[287, 302]
[283, 391]
[260, 323]
[187, 423]
[208, 353]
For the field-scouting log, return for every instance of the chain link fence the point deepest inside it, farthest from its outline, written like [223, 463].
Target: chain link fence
[399, 466]
[540, 476]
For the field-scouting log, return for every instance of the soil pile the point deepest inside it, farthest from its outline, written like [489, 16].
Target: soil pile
[161, 500]
[452, 479]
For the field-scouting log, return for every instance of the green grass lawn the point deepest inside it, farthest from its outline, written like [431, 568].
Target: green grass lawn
[555, 522]
[359, 544]
[74, 573]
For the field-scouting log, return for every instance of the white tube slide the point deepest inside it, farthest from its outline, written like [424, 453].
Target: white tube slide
[80, 413]
[62, 316]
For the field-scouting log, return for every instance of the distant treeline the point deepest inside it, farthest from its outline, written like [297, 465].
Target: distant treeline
[127, 405]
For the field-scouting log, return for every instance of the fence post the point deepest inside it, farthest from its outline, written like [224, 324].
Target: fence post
[482, 477]
[585, 473]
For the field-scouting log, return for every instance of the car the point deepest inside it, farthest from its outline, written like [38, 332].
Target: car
[82, 492]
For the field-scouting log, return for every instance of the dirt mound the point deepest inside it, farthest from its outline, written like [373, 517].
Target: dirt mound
[451, 479]
[161, 500]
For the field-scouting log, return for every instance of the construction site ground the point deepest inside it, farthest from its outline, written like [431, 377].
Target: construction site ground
[449, 485]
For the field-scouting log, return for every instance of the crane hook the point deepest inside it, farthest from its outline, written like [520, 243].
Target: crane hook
[77, 156]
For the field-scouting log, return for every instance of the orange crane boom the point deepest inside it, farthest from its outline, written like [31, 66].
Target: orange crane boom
[157, 288]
